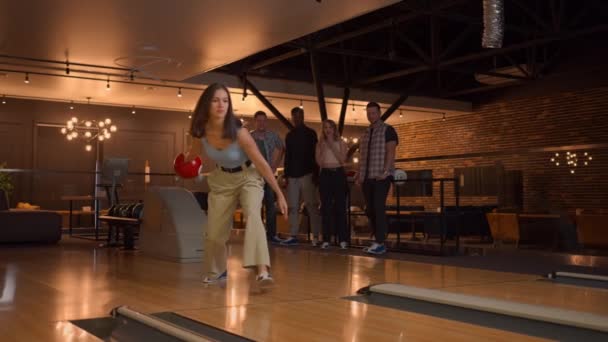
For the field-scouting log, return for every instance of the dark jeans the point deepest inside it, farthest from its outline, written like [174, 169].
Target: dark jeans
[271, 211]
[333, 189]
[375, 192]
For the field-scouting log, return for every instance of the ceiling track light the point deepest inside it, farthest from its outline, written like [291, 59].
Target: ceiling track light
[443, 118]
[67, 67]
[301, 104]
[400, 113]
[131, 77]
[108, 83]
[27, 78]
[179, 92]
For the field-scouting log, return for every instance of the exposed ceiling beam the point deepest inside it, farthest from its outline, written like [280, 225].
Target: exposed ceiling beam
[485, 54]
[318, 82]
[266, 103]
[367, 55]
[353, 34]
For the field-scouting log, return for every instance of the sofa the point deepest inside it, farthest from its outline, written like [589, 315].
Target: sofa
[18, 226]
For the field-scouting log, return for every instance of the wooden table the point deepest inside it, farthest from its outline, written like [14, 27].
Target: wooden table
[71, 199]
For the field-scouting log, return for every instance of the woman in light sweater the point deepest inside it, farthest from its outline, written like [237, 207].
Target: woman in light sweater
[331, 157]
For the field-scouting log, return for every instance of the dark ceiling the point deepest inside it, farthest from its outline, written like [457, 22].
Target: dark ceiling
[434, 47]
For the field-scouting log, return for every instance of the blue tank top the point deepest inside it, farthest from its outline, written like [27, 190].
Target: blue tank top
[230, 157]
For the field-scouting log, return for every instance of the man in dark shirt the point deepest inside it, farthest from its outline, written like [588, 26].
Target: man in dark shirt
[300, 170]
[376, 169]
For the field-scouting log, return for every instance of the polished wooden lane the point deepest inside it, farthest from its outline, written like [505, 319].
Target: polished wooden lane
[342, 320]
[44, 286]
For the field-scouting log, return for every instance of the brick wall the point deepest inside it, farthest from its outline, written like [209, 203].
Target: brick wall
[514, 133]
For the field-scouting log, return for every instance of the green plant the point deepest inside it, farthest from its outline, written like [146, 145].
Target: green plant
[6, 181]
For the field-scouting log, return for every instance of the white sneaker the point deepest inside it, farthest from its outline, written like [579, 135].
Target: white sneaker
[343, 245]
[265, 281]
[325, 245]
[373, 246]
[216, 278]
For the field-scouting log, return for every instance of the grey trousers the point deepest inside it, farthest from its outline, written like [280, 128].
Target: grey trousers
[305, 187]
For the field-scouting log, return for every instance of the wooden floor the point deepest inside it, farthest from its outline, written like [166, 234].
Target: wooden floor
[42, 287]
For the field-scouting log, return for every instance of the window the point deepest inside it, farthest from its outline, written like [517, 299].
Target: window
[419, 183]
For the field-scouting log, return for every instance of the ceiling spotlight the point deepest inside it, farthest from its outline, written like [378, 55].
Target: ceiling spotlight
[443, 119]
[133, 110]
[71, 105]
[301, 104]
[27, 78]
[179, 92]
[67, 67]
[3, 100]
[400, 113]
[108, 83]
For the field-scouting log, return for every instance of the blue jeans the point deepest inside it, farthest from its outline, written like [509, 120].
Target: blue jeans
[271, 211]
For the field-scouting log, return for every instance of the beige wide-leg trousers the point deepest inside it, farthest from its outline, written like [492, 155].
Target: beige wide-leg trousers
[226, 189]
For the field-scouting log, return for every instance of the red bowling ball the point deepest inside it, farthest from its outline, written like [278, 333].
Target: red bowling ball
[187, 169]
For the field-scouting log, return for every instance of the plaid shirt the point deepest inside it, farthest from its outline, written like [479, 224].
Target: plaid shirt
[373, 151]
[270, 141]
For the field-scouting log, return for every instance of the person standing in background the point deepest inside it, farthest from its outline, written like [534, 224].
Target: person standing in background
[331, 156]
[272, 148]
[301, 172]
[376, 168]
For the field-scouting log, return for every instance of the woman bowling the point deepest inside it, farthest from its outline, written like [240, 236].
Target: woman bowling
[237, 178]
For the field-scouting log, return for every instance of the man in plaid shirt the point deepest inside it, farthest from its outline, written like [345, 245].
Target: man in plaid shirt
[272, 148]
[376, 168]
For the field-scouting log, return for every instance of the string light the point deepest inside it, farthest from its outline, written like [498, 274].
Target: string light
[572, 160]
[88, 130]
